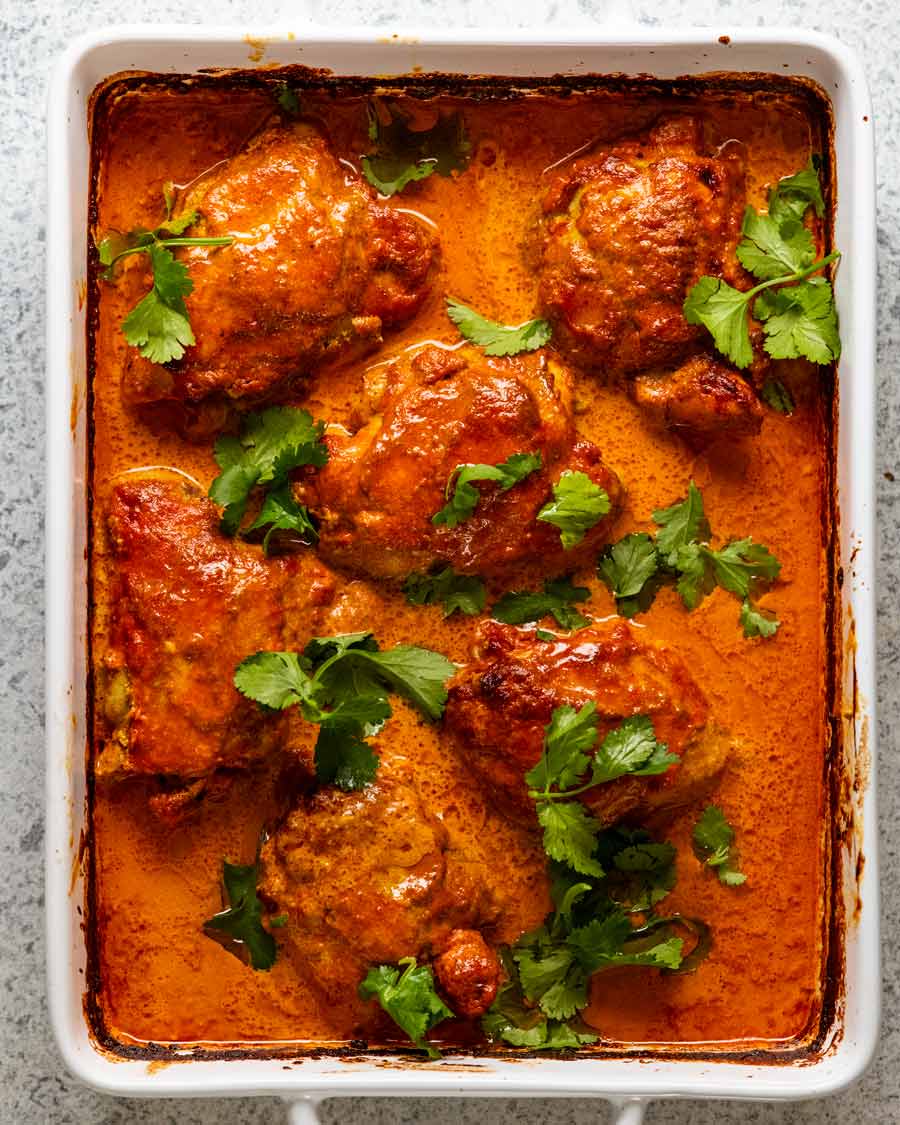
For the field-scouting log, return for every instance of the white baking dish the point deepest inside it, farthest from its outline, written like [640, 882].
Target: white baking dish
[629, 1082]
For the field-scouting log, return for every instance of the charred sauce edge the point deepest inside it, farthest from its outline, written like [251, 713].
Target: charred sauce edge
[819, 1036]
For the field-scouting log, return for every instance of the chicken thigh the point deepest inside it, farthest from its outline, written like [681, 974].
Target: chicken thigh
[500, 705]
[186, 605]
[627, 231]
[373, 876]
[435, 412]
[317, 269]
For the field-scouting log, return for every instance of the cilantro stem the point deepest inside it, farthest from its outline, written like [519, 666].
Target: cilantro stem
[546, 795]
[145, 248]
[800, 275]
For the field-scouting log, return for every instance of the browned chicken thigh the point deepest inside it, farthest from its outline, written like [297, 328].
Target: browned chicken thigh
[317, 269]
[186, 606]
[435, 412]
[373, 876]
[627, 231]
[500, 705]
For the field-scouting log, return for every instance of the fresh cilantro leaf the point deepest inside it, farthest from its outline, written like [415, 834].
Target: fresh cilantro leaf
[694, 578]
[159, 331]
[271, 444]
[342, 684]
[498, 339]
[287, 98]
[343, 757]
[800, 320]
[569, 736]
[722, 310]
[775, 394]
[774, 248]
[756, 623]
[403, 155]
[521, 606]
[627, 567]
[517, 1022]
[417, 674]
[241, 922]
[569, 834]
[631, 748]
[464, 593]
[274, 679]
[158, 325]
[641, 870]
[680, 524]
[740, 562]
[464, 500]
[792, 196]
[409, 999]
[714, 844]
[281, 512]
[578, 504]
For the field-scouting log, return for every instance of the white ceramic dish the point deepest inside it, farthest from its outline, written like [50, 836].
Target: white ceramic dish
[628, 1082]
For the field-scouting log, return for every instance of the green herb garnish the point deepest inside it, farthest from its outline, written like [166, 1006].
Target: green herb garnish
[271, 444]
[463, 593]
[799, 318]
[403, 155]
[498, 339]
[241, 922]
[342, 683]
[409, 998]
[521, 606]
[636, 566]
[714, 844]
[158, 325]
[463, 496]
[577, 505]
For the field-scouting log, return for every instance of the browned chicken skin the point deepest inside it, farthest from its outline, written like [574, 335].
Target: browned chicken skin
[370, 877]
[628, 230]
[318, 267]
[187, 605]
[500, 705]
[435, 411]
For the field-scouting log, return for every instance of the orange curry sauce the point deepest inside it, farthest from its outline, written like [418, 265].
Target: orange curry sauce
[158, 978]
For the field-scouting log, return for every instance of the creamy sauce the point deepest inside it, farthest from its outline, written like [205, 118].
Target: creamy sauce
[160, 978]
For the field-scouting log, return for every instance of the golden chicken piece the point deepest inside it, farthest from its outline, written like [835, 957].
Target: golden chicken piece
[627, 231]
[370, 877]
[186, 606]
[317, 269]
[704, 395]
[439, 410]
[500, 705]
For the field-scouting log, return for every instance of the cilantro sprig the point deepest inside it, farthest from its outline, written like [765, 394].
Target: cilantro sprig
[408, 996]
[577, 505]
[795, 308]
[636, 567]
[570, 765]
[158, 325]
[403, 155]
[270, 445]
[462, 593]
[594, 926]
[240, 927]
[714, 844]
[557, 599]
[462, 495]
[342, 683]
[498, 339]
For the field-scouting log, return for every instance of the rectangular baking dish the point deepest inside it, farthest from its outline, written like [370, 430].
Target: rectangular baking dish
[852, 1033]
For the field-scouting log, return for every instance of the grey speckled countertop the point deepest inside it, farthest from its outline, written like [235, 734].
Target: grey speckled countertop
[34, 1087]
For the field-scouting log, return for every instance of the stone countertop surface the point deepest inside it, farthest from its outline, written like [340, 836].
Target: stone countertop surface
[34, 1086]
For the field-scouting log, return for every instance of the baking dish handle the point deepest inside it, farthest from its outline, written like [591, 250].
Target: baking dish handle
[305, 1111]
